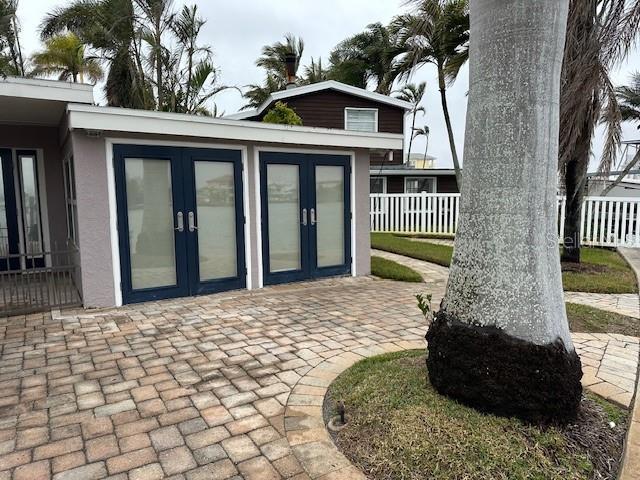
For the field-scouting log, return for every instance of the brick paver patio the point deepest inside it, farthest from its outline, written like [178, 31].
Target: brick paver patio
[193, 388]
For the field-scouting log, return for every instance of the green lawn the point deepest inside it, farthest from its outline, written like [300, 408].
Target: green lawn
[601, 270]
[586, 319]
[399, 427]
[383, 268]
[605, 271]
[430, 252]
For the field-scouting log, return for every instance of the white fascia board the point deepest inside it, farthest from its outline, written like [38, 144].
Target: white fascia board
[52, 90]
[162, 123]
[316, 87]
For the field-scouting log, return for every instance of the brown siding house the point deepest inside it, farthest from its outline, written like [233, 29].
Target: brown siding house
[326, 109]
[325, 105]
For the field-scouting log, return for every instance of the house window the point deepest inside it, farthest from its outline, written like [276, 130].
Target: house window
[419, 184]
[378, 184]
[70, 198]
[361, 119]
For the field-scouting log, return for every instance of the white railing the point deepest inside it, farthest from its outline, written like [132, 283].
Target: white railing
[605, 221]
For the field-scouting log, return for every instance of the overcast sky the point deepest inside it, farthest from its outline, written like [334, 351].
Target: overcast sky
[238, 29]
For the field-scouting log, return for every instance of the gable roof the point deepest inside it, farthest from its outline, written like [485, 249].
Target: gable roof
[317, 87]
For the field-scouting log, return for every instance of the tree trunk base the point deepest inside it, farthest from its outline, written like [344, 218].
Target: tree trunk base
[487, 369]
[570, 254]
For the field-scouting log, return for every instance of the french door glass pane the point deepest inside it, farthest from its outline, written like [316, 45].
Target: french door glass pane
[150, 213]
[216, 212]
[283, 196]
[30, 205]
[4, 232]
[330, 215]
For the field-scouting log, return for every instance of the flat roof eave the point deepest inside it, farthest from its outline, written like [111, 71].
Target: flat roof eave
[110, 119]
[50, 90]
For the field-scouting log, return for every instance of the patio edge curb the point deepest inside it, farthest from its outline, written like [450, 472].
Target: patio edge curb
[304, 426]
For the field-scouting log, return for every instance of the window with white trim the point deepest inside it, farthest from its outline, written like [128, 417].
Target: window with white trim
[378, 184]
[361, 119]
[70, 199]
[419, 184]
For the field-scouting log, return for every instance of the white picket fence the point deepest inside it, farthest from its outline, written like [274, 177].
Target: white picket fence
[605, 222]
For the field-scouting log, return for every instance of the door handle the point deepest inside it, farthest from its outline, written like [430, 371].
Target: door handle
[192, 222]
[180, 221]
[313, 216]
[304, 217]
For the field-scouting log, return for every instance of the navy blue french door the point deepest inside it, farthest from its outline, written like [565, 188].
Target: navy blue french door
[306, 216]
[9, 234]
[180, 221]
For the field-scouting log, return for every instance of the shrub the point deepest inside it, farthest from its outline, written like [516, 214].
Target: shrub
[282, 115]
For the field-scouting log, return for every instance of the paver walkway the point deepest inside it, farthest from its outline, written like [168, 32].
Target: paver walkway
[610, 361]
[624, 304]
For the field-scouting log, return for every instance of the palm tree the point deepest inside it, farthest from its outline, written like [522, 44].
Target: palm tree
[12, 62]
[423, 132]
[187, 26]
[109, 27]
[256, 95]
[156, 19]
[599, 36]
[367, 56]
[413, 94]
[274, 60]
[314, 73]
[501, 340]
[64, 55]
[437, 33]
[274, 57]
[629, 102]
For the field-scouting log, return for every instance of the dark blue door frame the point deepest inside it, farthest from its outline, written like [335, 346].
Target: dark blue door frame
[189, 157]
[173, 155]
[11, 212]
[308, 233]
[184, 201]
[34, 261]
[345, 163]
[304, 271]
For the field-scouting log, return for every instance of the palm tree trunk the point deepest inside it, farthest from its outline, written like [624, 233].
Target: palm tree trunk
[19, 48]
[447, 120]
[158, 47]
[575, 184]
[426, 147]
[501, 340]
[413, 126]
